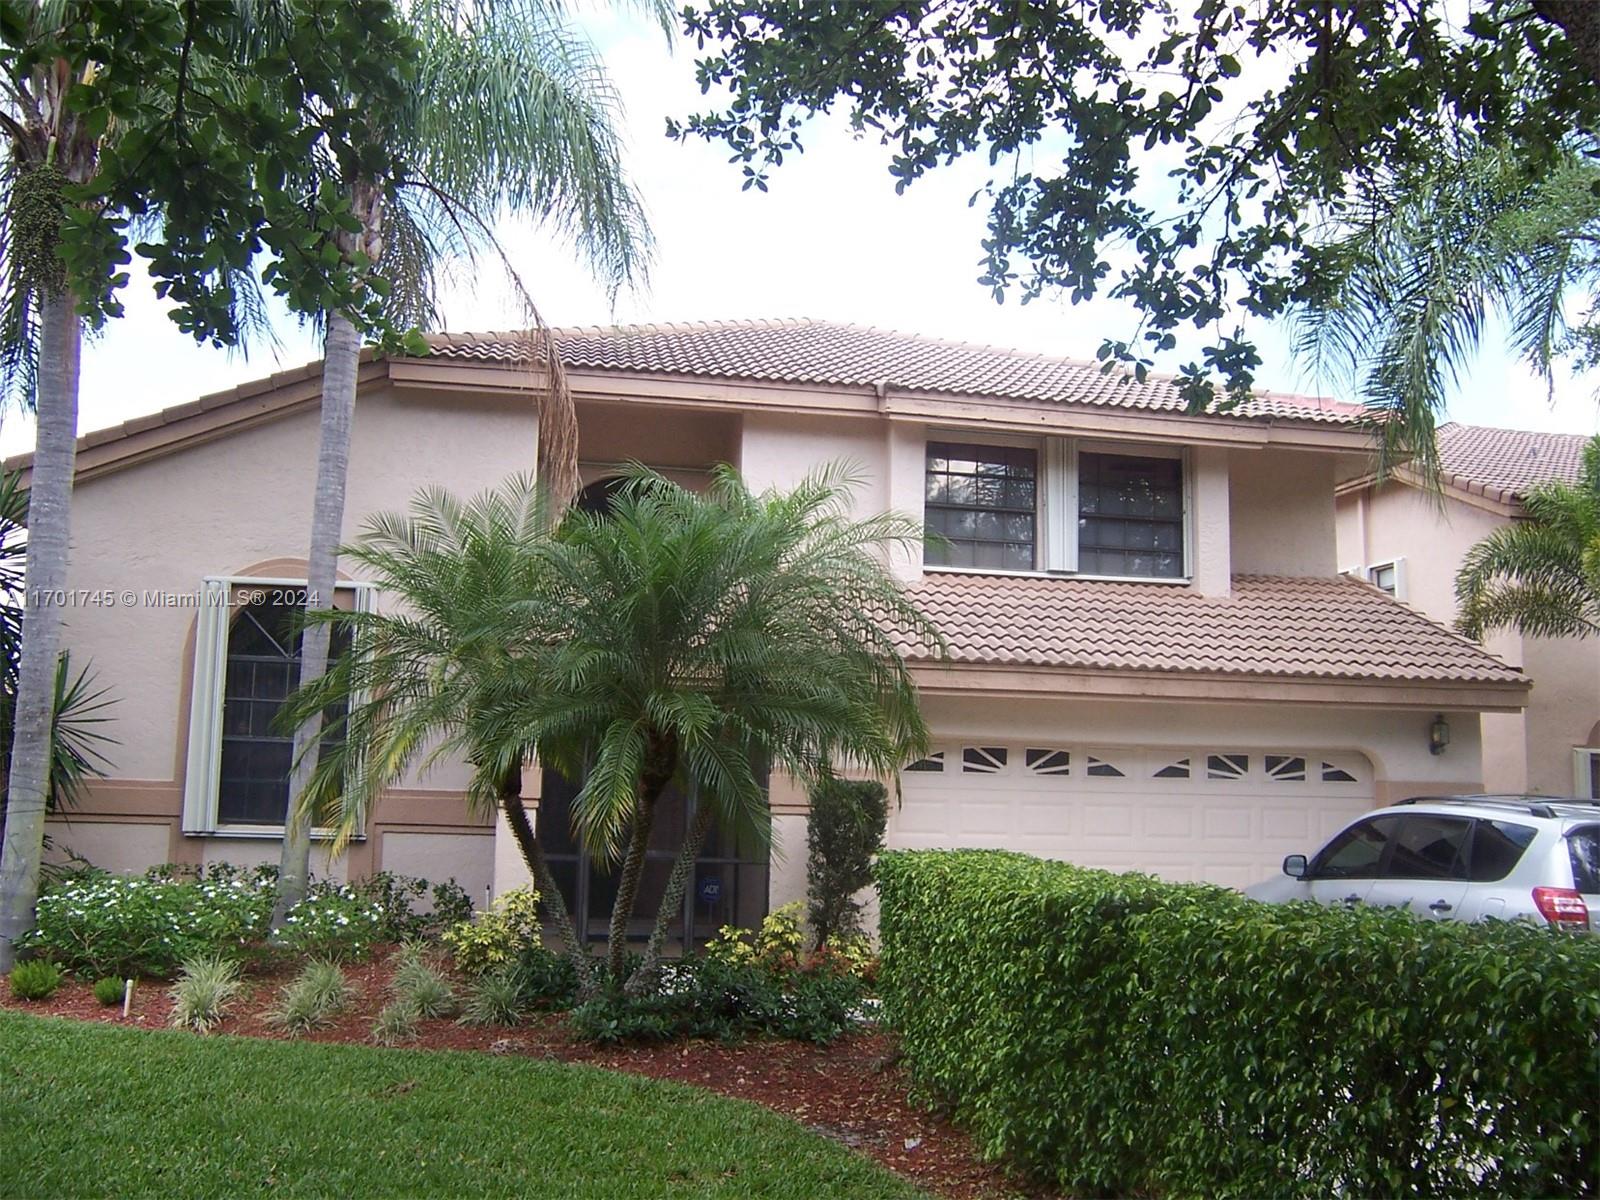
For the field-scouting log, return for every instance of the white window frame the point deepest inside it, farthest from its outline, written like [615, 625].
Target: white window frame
[1583, 758]
[1055, 538]
[202, 774]
[1370, 574]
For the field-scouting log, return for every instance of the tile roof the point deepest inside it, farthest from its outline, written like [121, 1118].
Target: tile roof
[1332, 628]
[827, 352]
[1505, 463]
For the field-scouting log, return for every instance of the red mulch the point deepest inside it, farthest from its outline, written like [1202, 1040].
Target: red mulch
[851, 1091]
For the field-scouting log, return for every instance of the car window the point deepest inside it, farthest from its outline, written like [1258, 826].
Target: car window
[1496, 848]
[1583, 848]
[1428, 846]
[1355, 853]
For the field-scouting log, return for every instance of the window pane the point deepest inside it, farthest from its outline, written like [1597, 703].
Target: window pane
[1427, 846]
[983, 501]
[263, 665]
[1496, 847]
[1355, 853]
[1130, 516]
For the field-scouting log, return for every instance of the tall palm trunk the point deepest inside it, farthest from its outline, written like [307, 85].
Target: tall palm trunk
[644, 976]
[341, 357]
[49, 534]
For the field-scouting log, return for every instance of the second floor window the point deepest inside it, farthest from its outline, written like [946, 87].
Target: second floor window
[983, 502]
[1051, 506]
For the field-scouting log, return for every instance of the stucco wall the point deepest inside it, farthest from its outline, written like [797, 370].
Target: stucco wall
[225, 507]
[1281, 513]
[1531, 750]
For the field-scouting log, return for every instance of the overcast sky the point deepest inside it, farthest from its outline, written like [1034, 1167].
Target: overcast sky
[830, 240]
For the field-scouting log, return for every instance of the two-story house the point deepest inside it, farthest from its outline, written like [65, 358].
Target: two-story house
[1154, 661]
[1410, 542]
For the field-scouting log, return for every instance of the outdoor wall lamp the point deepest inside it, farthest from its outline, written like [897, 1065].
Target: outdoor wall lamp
[1438, 735]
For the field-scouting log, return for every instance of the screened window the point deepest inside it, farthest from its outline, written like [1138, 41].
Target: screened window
[1130, 516]
[982, 501]
[263, 668]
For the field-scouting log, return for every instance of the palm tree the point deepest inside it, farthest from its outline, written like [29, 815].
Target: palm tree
[680, 637]
[509, 110]
[1541, 575]
[1398, 298]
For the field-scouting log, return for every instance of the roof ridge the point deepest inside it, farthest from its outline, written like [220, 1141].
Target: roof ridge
[1500, 429]
[1108, 368]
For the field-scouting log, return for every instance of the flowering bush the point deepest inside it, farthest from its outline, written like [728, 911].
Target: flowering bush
[333, 922]
[102, 924]
[497, 937]
[130, 925]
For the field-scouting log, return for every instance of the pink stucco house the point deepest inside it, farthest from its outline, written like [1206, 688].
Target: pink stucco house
[1410, 544]
[1156, 661]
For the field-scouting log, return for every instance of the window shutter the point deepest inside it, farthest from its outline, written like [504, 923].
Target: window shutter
[205, 708]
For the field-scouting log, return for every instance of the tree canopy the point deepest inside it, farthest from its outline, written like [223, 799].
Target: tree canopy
[1187, 157]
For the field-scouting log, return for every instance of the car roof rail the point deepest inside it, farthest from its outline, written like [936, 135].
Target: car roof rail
[1532, 806]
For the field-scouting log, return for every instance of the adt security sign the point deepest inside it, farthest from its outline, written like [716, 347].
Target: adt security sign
[710, 889]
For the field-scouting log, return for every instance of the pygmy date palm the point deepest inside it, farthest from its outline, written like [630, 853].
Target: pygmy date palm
[1541, 575]
[681, 637]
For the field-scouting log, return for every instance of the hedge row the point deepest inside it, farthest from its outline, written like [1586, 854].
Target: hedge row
[1120, 1035]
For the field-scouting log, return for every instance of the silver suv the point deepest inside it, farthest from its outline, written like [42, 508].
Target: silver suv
[1460, 858]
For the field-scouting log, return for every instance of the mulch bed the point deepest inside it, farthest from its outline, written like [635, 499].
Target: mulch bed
[852, 1091]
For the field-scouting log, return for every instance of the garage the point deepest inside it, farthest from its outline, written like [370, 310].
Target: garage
[1222, 814]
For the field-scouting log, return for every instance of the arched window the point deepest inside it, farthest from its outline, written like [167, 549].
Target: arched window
[263, 668]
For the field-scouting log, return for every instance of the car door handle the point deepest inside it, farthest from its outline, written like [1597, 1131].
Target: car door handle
[1352, 898]
[1440, 906]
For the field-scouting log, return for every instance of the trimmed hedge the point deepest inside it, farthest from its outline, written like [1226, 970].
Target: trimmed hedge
[1120, 1035]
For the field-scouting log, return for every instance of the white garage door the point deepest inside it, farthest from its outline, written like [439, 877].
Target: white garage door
[1220, 814]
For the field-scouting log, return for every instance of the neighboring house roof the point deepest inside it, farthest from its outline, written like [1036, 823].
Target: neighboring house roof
[829, 352]
[1309, 629]
[1493, 468]
[1505, 463]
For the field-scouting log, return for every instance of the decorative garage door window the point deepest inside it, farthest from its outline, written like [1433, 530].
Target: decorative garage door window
[1108, 767]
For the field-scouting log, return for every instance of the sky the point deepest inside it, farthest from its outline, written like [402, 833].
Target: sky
[830, 240]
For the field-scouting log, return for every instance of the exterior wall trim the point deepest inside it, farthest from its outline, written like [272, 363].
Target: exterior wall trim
[966, 678]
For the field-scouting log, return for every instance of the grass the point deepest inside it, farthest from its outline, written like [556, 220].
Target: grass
[93, 1109]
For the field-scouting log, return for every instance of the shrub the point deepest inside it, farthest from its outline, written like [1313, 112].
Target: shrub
[1124, 1036]
[498, 936]
[776, 946]
[312, 999]
[843, 835]
[396, 1023]
[205, 988]
[416, 985]
[397, 898]
[35, 980]
[333, 922]
[716, 998]
[547, 979]
[137, 925]
[109, 990]
[494, 998]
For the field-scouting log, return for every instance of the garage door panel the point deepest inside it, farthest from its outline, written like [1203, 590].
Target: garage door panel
[1222, 814]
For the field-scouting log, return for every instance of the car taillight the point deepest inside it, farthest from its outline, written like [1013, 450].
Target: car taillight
[1562, 907]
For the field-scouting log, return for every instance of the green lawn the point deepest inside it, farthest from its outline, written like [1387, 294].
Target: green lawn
[93, 1110]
